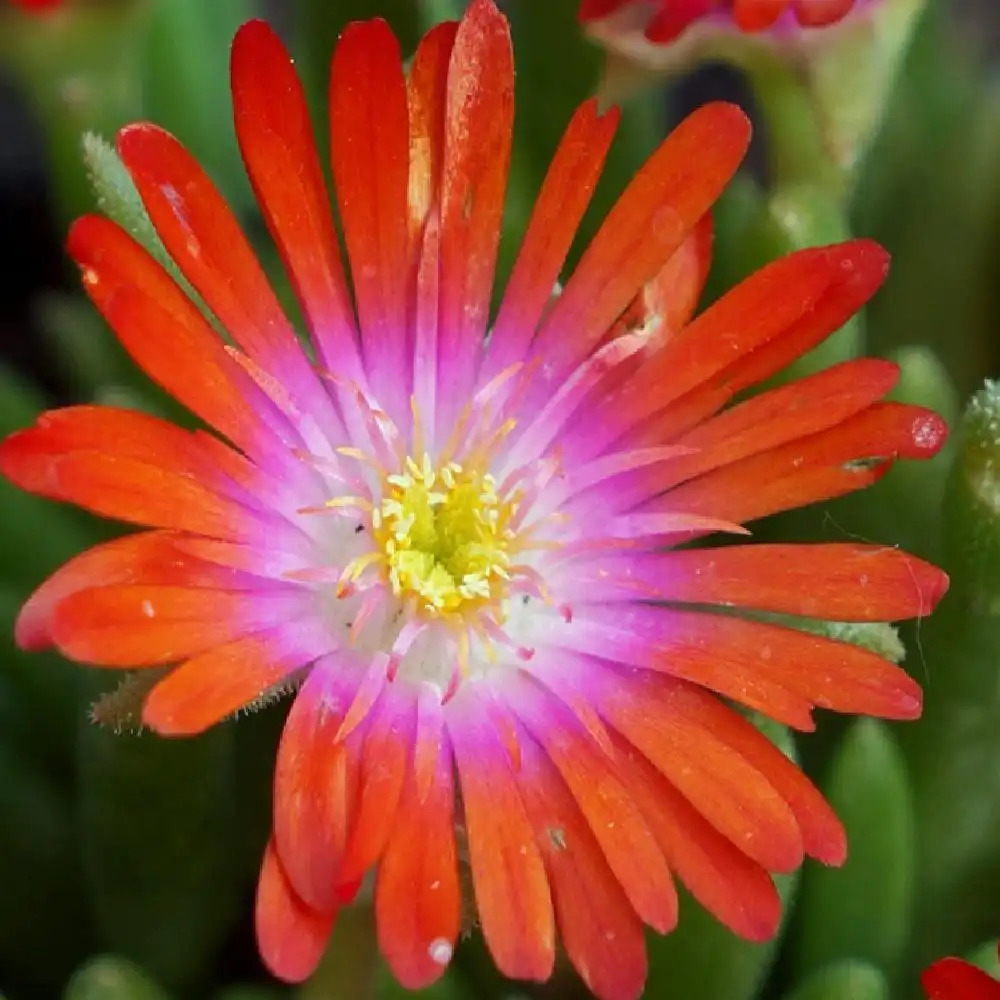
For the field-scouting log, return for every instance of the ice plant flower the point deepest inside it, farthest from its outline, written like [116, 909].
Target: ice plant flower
[663, 21]
[461, 539]
[956, 979]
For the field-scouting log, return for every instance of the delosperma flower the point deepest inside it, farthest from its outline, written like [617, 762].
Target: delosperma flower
[464, 538]
[956, 979]
[663, 21]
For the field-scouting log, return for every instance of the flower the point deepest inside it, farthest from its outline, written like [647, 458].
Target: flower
[465, 550]
[37, 6]
[663, 21]
[955, 979]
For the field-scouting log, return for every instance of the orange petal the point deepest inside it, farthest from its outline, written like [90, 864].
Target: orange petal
[843, 581]
[385, 759]
[124, 625]
[203, 237]
[417, 891]
[512, 891]
[599, 929]
[617, 825]
[727, 790]
[291, 936]
[562, 201]
[664, 201]
[478, 127]
[279, 150]
[732, 887]
[426, 91]
[822, 833]
[219, 682]
[315, 782]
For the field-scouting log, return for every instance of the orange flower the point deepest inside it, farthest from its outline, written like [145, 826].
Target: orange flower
[460, 537]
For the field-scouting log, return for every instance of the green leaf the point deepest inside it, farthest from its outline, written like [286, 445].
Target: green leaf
[954, 749]
[112, 978]
[847, 980]
[117, 196]
[157, 822]
[861, 910]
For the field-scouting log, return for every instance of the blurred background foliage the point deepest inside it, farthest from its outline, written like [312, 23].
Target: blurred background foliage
[127, 864]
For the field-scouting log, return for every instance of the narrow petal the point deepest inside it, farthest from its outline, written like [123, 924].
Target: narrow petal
[704, 648]
[315, 781]
[279, 149]
[512, 891]
[203, 237]
[823, 835]
[128, 489]
[665, 200]
[478, 127]
[426, 91]
[734, 338]
[369, 136]
[417, 892]
[726, 789]
[598, 927]
[162, 329]
[129, 625]
[618, 826]
[221, 681]
[291, 936]
[384, 766]
[149, 557]
[667, 301]
[843, 581]
[565, 194]
[734, 889]
[818, 467]
[764, 422]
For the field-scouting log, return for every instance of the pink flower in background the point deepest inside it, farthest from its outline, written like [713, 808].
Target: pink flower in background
[663, 21]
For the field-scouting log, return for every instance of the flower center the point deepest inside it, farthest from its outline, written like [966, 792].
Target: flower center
[444, 534]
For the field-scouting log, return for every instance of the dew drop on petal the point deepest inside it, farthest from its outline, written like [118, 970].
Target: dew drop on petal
[440, 951]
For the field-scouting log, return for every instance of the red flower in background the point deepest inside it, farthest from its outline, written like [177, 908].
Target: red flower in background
[956, 979]
[665, 20]
[37, 6]
[466, 551]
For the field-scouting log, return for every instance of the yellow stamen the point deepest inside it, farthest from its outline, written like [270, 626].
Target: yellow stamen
[442, 537]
